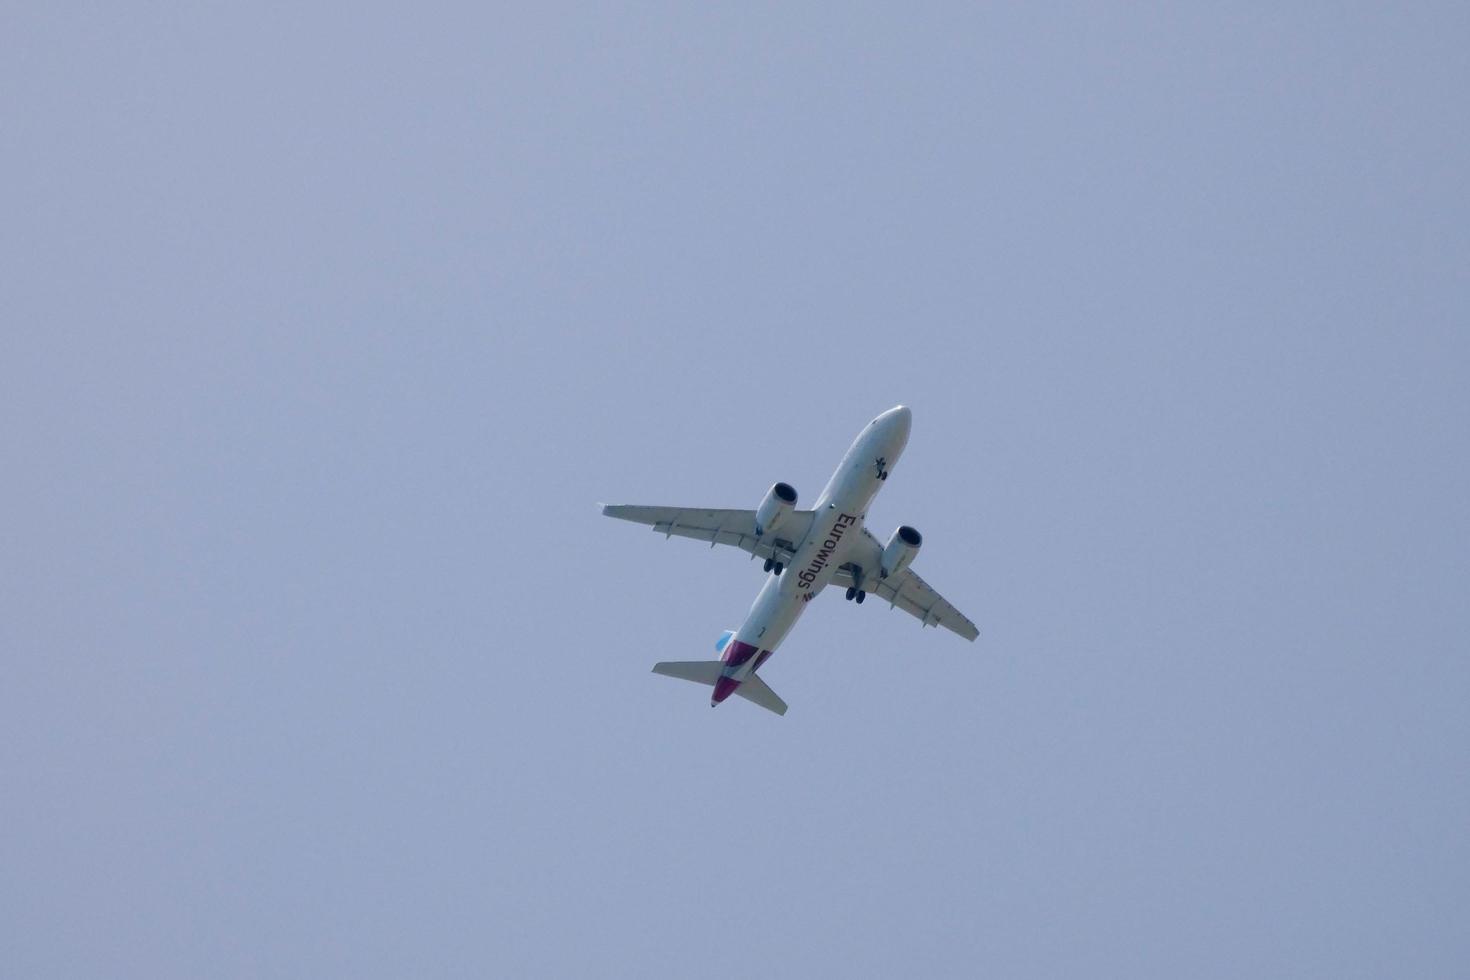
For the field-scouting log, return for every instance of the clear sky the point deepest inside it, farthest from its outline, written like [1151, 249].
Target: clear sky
[323, 331]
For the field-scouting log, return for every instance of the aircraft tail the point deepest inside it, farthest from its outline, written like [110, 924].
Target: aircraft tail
[706, 672]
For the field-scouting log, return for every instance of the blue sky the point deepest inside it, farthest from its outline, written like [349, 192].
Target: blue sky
[324, 331]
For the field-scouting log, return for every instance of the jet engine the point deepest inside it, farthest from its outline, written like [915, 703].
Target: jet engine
[780, 501]
[900, 550]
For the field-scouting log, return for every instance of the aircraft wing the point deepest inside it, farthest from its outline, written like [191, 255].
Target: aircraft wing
[732, 527]
[905, 590]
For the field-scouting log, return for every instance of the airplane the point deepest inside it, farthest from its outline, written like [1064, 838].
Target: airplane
[804, 552]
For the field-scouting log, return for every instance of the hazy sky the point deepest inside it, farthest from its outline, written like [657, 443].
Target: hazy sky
[323, 331]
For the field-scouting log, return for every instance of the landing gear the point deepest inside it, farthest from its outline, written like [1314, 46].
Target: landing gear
[769, 563]
[850, 593]
[861, 596]
[856, 595]
[779, 569]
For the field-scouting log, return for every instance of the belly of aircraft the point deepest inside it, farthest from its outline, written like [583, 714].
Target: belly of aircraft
[822, 553]
[784, 598]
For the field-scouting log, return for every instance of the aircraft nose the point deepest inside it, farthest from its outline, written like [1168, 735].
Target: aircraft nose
[724, 687]
[899, 417]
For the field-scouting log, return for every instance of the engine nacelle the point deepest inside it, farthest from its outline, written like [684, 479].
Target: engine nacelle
[779, 503]
[900, 550]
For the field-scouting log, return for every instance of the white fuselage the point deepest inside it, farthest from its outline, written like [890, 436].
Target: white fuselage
[840, 512]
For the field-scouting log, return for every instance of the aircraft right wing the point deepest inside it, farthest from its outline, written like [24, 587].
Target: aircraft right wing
[905, 590]
[732, 527]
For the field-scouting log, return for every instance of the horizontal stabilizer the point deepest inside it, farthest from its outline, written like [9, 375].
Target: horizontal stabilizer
[704, 672]
[757, 691]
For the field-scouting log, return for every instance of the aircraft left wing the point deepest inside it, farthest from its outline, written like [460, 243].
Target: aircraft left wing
[732, 527]
[905, 590]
